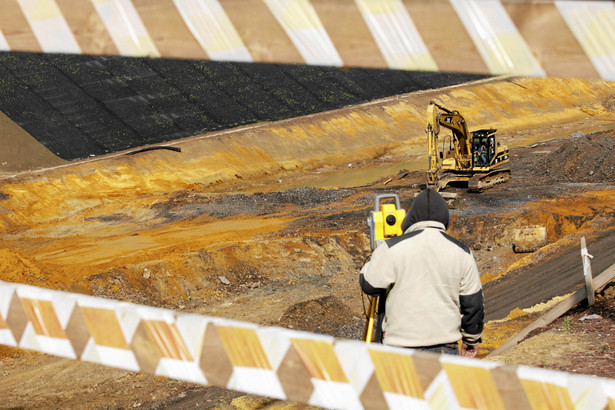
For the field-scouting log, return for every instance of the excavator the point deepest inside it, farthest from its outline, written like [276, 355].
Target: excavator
[473, 159]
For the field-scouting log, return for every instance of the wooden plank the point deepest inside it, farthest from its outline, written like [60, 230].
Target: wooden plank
[559, 309]
[587, 273]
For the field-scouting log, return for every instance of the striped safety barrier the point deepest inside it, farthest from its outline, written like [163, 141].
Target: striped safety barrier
[275, 362]
[521, 37]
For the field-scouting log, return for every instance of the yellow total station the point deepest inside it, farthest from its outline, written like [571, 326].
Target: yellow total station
[385, 220]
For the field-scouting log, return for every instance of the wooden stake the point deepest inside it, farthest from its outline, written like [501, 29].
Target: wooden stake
[587, 272]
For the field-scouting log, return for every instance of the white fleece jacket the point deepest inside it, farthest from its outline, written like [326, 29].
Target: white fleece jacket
[434, 290]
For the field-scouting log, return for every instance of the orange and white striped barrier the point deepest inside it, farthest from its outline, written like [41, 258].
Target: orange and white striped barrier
[488, 37]
[279, 363]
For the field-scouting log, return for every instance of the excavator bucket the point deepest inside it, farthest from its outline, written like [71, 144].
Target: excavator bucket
[529, 238]
[451, 199]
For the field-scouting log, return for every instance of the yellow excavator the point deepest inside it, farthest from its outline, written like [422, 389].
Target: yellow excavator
[473, 159]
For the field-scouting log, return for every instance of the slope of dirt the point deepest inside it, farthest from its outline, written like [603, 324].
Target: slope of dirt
[270, 240]
[21, 151]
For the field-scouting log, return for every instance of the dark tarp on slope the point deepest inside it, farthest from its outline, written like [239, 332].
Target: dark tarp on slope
[82, 105]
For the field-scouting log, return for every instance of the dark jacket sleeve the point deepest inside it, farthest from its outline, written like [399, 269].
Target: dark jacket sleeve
[369, 289]
[473, 313]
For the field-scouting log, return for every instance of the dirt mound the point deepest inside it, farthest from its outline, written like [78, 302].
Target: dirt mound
[609, 103]
[324, 315]
[582, 158]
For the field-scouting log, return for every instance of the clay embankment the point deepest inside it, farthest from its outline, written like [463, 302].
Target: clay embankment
[523, 111]
[99, 217]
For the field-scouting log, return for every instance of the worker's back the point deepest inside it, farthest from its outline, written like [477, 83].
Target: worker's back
[429, 270]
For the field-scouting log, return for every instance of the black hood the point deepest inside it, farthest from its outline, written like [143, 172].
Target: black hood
[427, 206]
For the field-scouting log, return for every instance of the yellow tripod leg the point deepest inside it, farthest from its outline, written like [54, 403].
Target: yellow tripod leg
[368, 330]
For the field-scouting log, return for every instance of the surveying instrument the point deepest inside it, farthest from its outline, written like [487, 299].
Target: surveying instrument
[384, 222]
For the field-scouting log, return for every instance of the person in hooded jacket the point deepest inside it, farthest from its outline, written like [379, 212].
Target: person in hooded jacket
[433, 291]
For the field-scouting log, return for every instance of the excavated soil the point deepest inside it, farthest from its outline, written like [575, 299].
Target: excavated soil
[284, 249]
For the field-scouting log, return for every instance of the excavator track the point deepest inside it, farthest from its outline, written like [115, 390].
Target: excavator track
[487, 180]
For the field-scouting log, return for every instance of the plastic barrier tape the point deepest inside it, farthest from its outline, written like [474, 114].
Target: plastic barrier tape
[275, 362]
[487, 37]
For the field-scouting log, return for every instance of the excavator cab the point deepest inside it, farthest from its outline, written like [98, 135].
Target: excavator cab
[483, 147]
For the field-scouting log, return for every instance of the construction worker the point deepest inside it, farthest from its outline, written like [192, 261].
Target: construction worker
[434, 296]
[482, 154]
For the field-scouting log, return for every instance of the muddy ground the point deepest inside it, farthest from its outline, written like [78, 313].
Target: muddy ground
[285, 250]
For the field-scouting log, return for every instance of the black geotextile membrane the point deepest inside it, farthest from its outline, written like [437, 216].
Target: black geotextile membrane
[84, 105]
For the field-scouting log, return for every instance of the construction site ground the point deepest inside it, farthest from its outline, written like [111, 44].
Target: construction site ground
[284, 247]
